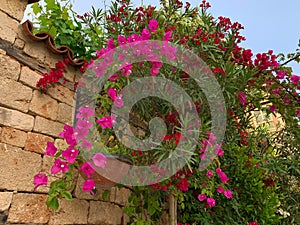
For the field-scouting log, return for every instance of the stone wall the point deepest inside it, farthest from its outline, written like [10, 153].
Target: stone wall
[28, 120]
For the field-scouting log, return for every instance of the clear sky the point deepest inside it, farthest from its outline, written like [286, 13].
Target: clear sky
[269, 24]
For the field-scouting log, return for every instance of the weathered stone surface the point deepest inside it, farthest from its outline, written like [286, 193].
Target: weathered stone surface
[14, 8]
[28, 208]
[8, 27]
[120, 195]
[13, 137]
[34, 49]
[43, 105]
[19, 43]
[62, 94]
[104, 213]
[37, 142]
[14, 94]
[5, 200]
[16, 119]
[70, 212]
[29, 77]
[17, 168]
[9, 68]
[46, 126]
[65, 113]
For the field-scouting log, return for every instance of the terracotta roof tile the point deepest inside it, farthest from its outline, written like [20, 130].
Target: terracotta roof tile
[50, 42]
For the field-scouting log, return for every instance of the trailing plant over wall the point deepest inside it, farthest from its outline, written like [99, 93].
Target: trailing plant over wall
[243, 183]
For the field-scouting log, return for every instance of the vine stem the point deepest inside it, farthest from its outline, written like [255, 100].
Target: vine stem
[173, 209]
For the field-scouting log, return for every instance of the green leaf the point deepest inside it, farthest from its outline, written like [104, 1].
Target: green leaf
[67, 195]
[52, 202]
[36, 8]
[105, 195]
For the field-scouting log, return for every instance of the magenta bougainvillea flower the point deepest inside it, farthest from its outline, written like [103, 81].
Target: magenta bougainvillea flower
[51, 149]
[84, 113]
[70, 154]
[223, 177]
[201, 197]
[242, 98]
[87, 169]
[211, 202]
[220, 189]
[228, 194]
[106, 122]
[295, 79]
[68, 135]
[298, 113]
[40, 179]
[59, 166]
[209, 174]
[153, 25]
[88, 186]
[99, 160]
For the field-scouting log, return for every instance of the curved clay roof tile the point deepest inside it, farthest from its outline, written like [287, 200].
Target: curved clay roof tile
[50, 42]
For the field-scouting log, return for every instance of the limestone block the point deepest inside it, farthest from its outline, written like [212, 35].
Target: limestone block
[14, 8]
[13, 137]
[70, 212]
[65, 113]
[16, 119]
[17, 168]
[37, 142]
[62, 94]
[104, 213]
[43, 105]
[46, 126]
[120, 196]
[19, 43]
[8, 27]
[5, 200]
[14, 94]
[35, 49]
[29, 77]
[9, 68]
[28, 208]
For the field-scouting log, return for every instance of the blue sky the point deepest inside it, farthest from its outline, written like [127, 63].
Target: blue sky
[269, 24]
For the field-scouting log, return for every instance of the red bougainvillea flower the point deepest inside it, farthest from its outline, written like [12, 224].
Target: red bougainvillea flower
[242, 98]
[272, 108]
[153, 25]
[59, 166]
[201, 197]
[106, 122]
[99, 160]
[228, 194]
[183, 185]
[211, 202]
[40, 179]
[87, 169]
[70, 154]
[253, 223]
[88, 186]
[51, 149]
